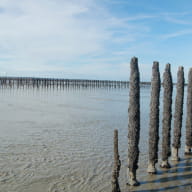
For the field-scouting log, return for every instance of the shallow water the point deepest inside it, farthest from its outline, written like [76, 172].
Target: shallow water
[61, 140]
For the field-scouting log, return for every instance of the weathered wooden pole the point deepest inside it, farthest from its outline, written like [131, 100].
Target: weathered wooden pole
[154, 118]
[178, 114]
[188, 144]
[117, 165]
[167, 116]
[134, 122]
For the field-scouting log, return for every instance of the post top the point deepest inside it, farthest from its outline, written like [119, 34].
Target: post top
[181, 68]
[168, 67]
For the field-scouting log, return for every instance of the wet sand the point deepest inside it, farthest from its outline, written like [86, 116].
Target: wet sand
[62, 141]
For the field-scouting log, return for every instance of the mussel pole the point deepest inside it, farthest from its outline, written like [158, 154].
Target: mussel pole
[178, 114]
[133, 122]
[154, 119]
[167, 116]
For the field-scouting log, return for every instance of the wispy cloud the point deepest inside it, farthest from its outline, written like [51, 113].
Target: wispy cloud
[141, 17]
[178, 21]
[177, 34]
[181, 18]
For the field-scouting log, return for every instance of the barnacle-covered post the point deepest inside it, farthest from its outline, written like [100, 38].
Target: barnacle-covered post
[178, 114]
[116, 166]
[154, 119]
[188, 144]
[134, 122]
[167, 116]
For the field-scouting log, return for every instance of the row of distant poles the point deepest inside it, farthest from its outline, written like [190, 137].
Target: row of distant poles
[134, 122]
[27, 82]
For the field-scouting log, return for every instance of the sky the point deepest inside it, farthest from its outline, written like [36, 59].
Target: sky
[94, 39]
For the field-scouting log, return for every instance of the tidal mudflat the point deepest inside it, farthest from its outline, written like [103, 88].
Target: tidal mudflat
[55, 140]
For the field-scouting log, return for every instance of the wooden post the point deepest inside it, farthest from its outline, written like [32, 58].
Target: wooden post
[167, 115]
[154, 118]
[134, 123]
[188, 144]
[178, 114]
[116, 166]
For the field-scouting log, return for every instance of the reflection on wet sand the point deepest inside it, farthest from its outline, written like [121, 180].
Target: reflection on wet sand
[177, 178]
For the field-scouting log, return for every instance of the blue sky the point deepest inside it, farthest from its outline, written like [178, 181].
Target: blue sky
[93, 39]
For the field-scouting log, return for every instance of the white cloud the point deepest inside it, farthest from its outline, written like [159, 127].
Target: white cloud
[37, 31]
